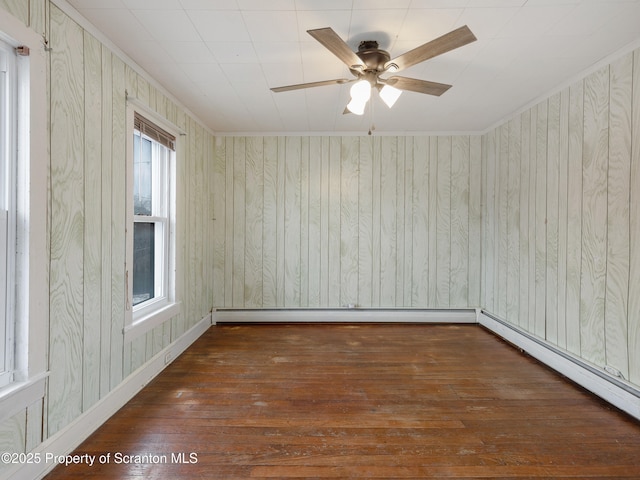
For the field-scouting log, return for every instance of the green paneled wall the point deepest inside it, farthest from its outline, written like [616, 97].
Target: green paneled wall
[560, 225]
[328, 221]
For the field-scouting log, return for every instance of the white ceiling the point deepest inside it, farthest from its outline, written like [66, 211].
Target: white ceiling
[221, 57]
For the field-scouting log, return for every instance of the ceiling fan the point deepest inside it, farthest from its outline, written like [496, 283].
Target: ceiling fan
[370, 62]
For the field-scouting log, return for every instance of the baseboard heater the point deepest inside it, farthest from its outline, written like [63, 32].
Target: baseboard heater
[344, 315]
[597, 380]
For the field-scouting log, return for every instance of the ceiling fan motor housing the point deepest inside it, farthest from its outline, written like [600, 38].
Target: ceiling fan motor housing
[373, 57]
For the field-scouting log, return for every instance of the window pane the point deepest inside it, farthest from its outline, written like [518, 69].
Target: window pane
[142, 179]
[143, 262]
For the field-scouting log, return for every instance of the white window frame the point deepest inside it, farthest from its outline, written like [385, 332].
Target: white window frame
[146, 315]
[28, 279]
[9, 78]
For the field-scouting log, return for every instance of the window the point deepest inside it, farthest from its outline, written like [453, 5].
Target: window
[151, 199]
[24, 177]
[8, 130]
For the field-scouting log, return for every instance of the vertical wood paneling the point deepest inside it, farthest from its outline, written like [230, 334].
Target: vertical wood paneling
[17, 8]
[355, 220]
[594, 215]
[93, 221]
[433, 219]
[407, 196]
[488, 234]
[388, 221]
[502, 210]
[270, 222]
[325, 188]
[541, 218]
[219, 231]
[574, 215]
[239, 209]
[525, 237]
[459, 275]
[475, 220]
[553, 162]
[513, 222]
[618, 194]
[400, 220]
[365, 222]
[634, 234]
[12, 436]
[229, 223]
[420, 221]
[254, 202]
[315, 220]
[335, 194]
[443, 223]
[533, 203]
[292, 223]
[562, 217]
[304, 221]
[105, 229]
[349, 230]
[67, 222]
[118, 219]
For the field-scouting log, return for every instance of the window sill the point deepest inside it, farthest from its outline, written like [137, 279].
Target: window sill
[142, 325]
[17, 396]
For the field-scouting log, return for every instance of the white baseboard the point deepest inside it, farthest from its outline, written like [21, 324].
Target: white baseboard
[66, 440]
[343, 315]
[619, 393]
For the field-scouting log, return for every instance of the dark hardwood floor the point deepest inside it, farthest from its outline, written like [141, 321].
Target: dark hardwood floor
[360, 401]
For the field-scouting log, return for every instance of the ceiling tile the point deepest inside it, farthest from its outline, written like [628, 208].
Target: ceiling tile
[101, 4]
[324, 5]
[220, 25]
[233, 52]
[534, 21]
[259, 5]
[277, 52]
[380, 4]
[486, 22]
[424, 25]
[189, 52]
[157, 4]
[338, 20]
[167, 24]
[209, 4]
[118, 23]
[272, 26]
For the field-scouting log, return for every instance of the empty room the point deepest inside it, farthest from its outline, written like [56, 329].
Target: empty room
[319, 239]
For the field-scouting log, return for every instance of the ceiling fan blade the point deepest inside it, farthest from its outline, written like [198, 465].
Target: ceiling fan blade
[310, 85]
[420, 86]
[447, 42]
[337, 46]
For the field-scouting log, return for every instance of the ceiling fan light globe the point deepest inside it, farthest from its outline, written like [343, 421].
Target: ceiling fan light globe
[390, 95]
[361, 91]
[357, 107]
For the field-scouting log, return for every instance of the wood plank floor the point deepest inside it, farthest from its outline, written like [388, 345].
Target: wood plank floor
[361, 401]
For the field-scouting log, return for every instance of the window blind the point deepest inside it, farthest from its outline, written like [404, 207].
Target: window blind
[153, 131]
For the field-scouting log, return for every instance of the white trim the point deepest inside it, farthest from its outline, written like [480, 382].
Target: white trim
[32, 258]
[330, 315]
[66, 440]
[621, 394]
[20, 395]
[143, 324]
